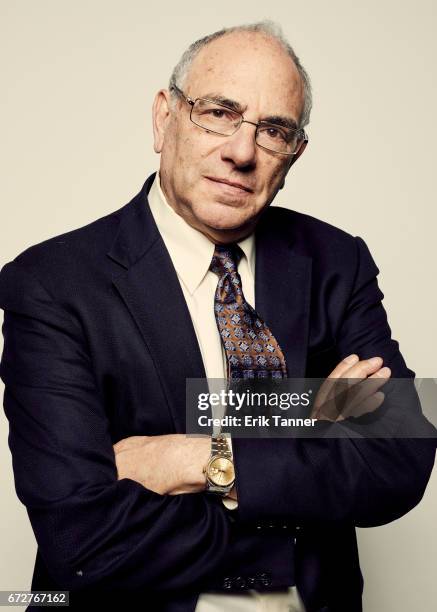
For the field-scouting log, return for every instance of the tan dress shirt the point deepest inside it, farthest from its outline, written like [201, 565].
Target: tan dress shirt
[191, 253]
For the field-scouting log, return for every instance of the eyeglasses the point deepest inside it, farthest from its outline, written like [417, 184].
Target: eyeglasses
[220, 119]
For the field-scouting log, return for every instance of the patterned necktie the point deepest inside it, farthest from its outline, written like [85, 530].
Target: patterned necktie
[251, 349]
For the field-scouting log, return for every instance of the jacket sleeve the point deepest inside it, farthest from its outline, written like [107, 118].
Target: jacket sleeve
[91, 529]
[364, 481]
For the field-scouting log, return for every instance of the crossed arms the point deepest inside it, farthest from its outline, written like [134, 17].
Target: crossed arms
[100, 514]
[173, 464]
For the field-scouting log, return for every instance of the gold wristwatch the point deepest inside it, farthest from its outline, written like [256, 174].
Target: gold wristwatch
[220, 473]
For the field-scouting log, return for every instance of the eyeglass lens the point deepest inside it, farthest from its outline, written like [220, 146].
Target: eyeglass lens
[225, 121]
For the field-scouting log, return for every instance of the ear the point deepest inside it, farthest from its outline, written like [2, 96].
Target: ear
[295, 157]
[161, 112]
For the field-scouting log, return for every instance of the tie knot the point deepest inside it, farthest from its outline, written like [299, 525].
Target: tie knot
[226, 259]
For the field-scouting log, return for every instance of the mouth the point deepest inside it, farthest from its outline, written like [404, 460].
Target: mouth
[238, 187]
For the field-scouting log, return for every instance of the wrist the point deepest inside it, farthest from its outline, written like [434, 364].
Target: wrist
[200, 455]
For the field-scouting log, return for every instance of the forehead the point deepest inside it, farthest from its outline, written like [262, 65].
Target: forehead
[252, 69]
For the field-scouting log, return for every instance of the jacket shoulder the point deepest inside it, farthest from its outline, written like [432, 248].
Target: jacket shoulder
[85, 240]
[310, 235]
[63, 263]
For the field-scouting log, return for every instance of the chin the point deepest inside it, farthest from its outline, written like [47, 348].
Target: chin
[224, 217]
[234, 223]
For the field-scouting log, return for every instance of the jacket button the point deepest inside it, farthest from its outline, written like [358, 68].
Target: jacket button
[250, 581]
[239, 582]
[264, 579]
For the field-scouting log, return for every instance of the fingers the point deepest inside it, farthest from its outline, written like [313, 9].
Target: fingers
[328, 383]
[352, 367]
[364, 389]
[349, 389]
[382, 373]
[353, 402]
[370, 404]
[364, 368]
[340, 370]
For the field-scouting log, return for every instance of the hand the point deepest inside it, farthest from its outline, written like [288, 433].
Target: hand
[337, 400]
[168, 465]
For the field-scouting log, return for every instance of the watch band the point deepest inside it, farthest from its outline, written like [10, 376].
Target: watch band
[220, 446]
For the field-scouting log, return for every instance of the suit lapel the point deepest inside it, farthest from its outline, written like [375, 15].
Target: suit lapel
[282, 289]
[148, 284]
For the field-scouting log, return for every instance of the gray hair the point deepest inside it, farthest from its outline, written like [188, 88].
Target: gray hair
[269, 28]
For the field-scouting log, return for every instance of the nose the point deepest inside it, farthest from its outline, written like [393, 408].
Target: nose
[240, 148]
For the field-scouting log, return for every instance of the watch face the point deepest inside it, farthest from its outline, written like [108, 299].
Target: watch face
[221, 472]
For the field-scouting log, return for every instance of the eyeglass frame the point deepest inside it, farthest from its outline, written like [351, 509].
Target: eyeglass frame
[192, 102]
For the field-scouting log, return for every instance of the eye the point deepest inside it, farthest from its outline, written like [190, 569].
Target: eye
[274, 133]
[215, 112]
[218, 113]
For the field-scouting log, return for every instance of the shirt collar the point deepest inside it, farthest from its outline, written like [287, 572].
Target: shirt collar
[190, 251]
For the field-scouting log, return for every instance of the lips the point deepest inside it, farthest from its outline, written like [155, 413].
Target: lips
[230, 183]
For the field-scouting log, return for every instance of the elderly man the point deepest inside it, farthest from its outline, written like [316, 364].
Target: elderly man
[104, 325]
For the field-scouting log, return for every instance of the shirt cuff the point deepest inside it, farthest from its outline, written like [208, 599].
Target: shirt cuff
[229, 503]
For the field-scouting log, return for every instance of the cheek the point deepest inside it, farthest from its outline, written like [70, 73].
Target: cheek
[273, 178]
[187, 156]
[194, 157]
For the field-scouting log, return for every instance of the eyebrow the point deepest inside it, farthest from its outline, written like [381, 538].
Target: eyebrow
[281, 120]
[215, 97]
[287, 122]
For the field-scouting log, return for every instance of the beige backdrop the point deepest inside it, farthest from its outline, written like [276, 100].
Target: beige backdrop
[78, 82]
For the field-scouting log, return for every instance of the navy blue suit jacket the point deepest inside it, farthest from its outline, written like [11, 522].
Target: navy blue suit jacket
[98, 345]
